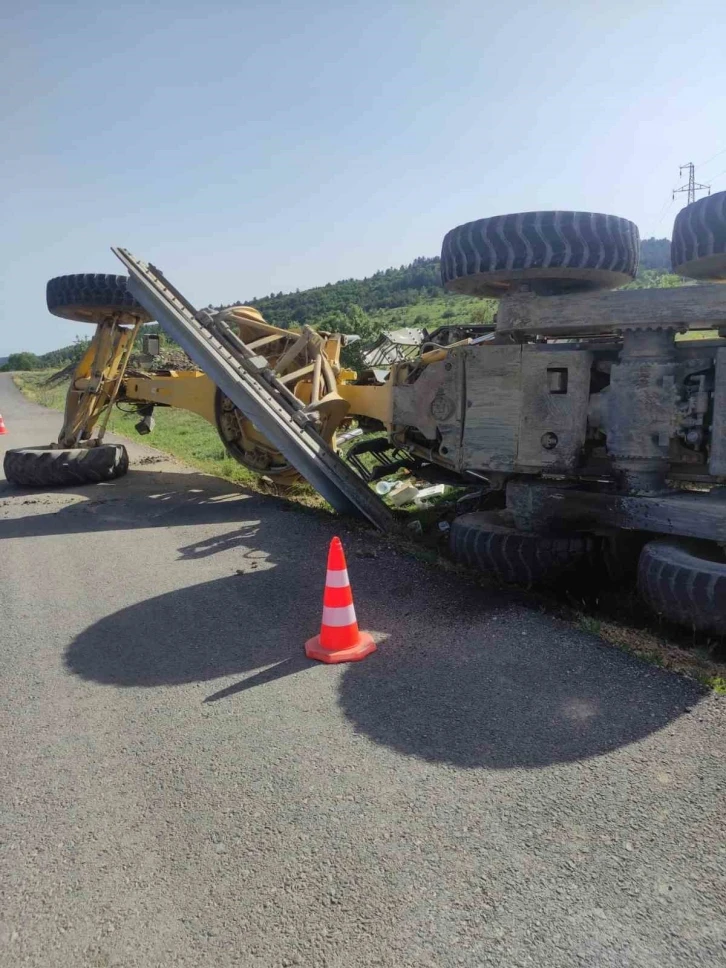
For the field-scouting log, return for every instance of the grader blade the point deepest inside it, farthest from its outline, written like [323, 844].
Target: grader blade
[256, 390]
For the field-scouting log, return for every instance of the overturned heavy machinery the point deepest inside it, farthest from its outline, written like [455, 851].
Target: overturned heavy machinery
[593, 420]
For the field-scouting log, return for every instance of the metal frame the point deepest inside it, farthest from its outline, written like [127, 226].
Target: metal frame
[550, 506]
[97, 381]
[595, 313]
[249, 382]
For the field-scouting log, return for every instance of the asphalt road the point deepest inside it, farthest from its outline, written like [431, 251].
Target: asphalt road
[180, 786]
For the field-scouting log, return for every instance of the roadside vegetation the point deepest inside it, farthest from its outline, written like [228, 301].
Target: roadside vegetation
[697, 655]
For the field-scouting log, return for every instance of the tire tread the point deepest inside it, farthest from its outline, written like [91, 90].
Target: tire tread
[683, 587]
[699, 233]
[480, 541]
[96, 294]
[43, 467]
[541, 240]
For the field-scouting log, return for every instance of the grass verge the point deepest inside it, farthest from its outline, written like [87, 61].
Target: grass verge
[701, 661]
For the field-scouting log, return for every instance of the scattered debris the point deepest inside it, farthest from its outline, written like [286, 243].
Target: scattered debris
[349, 435]
[436, 490]
[403, 495]
[394, 346]
[386, 487]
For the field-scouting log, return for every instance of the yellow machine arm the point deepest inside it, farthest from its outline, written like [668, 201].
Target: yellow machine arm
[307, 362]
[97, 381]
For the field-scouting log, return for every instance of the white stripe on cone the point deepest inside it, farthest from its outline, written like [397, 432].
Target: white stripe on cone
[337, 579]
[338, 616]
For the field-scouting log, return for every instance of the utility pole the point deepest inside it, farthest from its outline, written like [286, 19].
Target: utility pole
[693, 186]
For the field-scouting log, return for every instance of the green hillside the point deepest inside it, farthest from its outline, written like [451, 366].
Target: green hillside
[411, 295]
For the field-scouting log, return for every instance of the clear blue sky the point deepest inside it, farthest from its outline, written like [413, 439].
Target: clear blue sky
[249, 148]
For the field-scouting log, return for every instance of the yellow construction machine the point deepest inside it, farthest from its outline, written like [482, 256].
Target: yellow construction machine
[578, 417]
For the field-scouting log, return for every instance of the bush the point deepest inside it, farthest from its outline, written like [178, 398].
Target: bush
[483, 313]
[22, 361]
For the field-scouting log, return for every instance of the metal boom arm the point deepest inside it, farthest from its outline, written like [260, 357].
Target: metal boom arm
[256, 390]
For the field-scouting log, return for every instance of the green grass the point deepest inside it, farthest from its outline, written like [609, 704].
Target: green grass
[588, 623]
[436, 312]
[704, 662]
[697, 334]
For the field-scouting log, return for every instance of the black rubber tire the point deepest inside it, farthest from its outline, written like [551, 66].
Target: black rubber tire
[553, 251]
[698, 246]
[91, 297]
[684, 586]
[482, 540]
[44, 467]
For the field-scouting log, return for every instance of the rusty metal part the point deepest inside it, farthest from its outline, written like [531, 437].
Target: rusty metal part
[248, 446]
[542, 506]
[299, 360]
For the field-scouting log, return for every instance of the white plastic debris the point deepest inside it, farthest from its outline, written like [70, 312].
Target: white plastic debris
[349, 435]
[403, 495]
[385, 487]
[420, 500]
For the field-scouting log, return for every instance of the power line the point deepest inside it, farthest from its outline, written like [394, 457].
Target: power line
[664, 211]
[716, 177]
[692, 186]
[708, 161]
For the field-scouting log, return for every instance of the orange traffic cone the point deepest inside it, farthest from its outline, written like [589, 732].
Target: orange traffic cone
[339, 639]
[3, 428]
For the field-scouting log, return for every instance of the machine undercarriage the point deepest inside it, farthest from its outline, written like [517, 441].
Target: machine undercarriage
[590, 412]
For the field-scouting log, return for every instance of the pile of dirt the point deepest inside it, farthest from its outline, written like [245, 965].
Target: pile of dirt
[169, 359]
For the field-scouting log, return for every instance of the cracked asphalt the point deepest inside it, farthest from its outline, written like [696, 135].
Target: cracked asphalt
[181, 787]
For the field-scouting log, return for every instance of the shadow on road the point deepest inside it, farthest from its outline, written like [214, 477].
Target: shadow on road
[458, 682]
[142, 499]
[219, 628]
[223, 542]
[501, 700]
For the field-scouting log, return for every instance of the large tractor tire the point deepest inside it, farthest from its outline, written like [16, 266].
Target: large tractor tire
[45, 467]
[685, 583]
[92, 297]
[555, 252]
[484, 541]
[698, 247]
